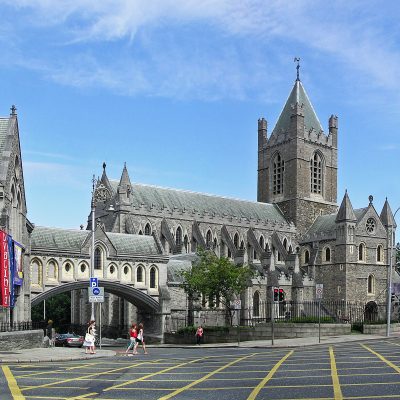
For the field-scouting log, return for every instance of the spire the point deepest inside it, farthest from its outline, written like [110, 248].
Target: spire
[346, 212]
[125, 181]
[104, 179]
[386, 216]
[299, 100]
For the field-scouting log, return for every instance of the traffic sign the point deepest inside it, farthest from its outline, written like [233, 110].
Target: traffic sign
[96, 294]
[94, 282]
[319, 290]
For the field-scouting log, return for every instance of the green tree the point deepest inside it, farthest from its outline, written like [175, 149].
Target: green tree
[216, 277]
[58, 309]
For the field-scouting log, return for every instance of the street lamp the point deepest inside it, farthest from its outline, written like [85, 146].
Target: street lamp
[389, 285]
[93, 229]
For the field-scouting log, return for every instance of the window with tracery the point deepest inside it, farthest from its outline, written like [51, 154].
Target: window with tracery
[316, 173]
[277, 174]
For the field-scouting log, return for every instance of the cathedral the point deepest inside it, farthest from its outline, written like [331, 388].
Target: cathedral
[138, 237]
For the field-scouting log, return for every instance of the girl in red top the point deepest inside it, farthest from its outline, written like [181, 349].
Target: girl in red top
[132, 336]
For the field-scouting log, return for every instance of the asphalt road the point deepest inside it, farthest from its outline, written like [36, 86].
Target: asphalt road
[362, 370]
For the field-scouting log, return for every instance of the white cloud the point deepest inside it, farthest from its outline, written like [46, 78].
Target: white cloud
[354, 35]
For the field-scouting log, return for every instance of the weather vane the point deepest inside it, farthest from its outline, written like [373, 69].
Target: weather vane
[297, 59]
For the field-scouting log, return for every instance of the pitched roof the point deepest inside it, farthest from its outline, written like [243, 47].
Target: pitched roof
[66, 240]
[133, 244]
[72, 240]
[297, 95]
[171, 199]
[325, 225]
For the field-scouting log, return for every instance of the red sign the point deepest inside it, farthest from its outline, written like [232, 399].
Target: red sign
[4, 271]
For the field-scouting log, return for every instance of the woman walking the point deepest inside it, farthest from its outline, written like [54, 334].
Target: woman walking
[132, 336]
[140, 340]
[90, 338]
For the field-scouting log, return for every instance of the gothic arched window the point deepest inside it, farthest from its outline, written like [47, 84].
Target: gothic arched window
[261, 242]
[379, 254]
[153, 275]
[316, 173]
[361, 252]
[277, 174]
[98, 255]
[236, 240]
[147, 229]
[208, 239]
[327, 254]
[256, 304]
[178, 236]
[371, 284]
[139, 274]
[186, 244]
[306, 257]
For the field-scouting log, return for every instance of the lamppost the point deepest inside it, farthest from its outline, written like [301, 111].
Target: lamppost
[389, 285]
[93, 229]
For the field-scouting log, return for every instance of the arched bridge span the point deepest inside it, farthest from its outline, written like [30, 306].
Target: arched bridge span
[128, 293]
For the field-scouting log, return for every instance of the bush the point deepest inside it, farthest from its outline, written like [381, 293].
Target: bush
[192, 329]
[308, 320]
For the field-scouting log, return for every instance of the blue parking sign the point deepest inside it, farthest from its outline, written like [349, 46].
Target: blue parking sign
[94, 282]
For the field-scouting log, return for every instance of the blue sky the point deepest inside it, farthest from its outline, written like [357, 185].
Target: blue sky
[174, 88]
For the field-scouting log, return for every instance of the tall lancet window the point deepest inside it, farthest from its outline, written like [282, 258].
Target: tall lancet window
[316, 173]
[277, 178]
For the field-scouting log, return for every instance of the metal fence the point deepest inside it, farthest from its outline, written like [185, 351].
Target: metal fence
[292, 311]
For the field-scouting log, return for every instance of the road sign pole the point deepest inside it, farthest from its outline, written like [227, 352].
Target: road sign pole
[100, 327]
[319, 321]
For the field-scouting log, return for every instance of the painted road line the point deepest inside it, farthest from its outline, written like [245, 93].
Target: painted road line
[96, 374]
[182, 389]
[271, 373]
[12, 384]
[395, 367]
[154, 374]
[337, 391]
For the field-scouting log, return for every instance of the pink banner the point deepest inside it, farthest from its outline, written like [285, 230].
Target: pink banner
[4, 271]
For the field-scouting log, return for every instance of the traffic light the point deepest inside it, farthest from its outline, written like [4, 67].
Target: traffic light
[281, 294]
[276, 294]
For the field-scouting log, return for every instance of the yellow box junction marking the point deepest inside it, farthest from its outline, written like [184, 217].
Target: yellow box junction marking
[271, 373]
[337, 391]
[84, 377]
[155, 373]
[168, 396]
[395, 367]
[12, 384]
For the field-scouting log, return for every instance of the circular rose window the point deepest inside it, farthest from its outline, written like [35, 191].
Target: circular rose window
[370, 225]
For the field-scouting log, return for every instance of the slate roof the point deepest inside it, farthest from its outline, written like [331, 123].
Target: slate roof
[66, 240]
[297, 95]
[71, 241]
[327, 223]
[176, 264]
[159, 197]
[3, 132]
[133, 244]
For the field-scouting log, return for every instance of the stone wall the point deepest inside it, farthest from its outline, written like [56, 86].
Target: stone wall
[380, 329]
[261, 332]
[21, 340]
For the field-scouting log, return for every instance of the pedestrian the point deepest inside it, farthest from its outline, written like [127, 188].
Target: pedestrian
[90, 338]
[133, 332]
[49, 332]
[199, 334]
[140, 340]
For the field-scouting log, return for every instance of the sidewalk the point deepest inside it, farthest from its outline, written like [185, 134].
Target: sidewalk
[71, 354]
